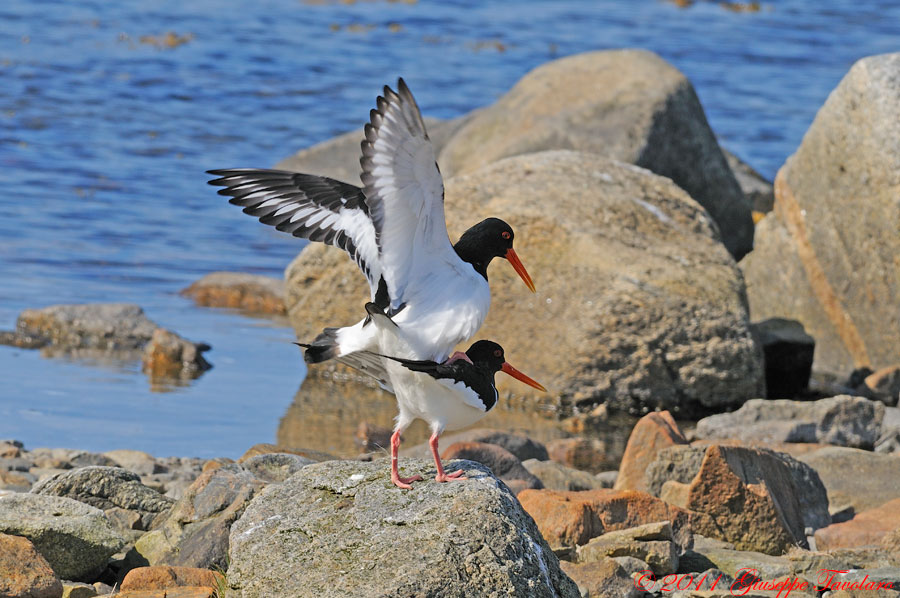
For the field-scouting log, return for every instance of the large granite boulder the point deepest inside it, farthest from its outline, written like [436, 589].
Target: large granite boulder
[827, 255]
[629, 105]
[341, 528]
[76, 539]
[642, 305]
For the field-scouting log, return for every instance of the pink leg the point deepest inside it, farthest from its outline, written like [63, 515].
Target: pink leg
[456, 357]
[395, 473]
[441, 476]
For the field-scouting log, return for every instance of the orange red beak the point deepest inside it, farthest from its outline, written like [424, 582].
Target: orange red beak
[519, 268]
[508, 369]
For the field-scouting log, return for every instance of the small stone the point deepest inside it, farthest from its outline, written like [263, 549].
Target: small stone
[24, 572]
[73, 589]
[169, 356]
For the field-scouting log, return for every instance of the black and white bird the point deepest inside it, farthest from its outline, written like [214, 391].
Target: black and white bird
[447, 396]
[394, 229]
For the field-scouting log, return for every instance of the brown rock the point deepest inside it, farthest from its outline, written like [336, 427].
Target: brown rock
[567, 519]
[866, 528]
[14, 480]
[501, 462]
[653, 432]
[9, 450]
[160, 578]
[601, 578]
[169, 356]
[629, 105]
[76, 589]
[179, 592]
[586, 454]
[24, 573]
[252, 293]
[827, 255]
[651, 303]
[262, 449]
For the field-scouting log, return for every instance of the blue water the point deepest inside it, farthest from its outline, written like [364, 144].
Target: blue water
[104, 139]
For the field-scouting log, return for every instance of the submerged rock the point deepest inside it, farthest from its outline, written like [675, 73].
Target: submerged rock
[644, 307]
[341, 528]
[629, 105]
[251, 293]
[76, 539]
[826, 256]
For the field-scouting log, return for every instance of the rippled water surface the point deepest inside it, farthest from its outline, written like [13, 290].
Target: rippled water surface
[107, 126]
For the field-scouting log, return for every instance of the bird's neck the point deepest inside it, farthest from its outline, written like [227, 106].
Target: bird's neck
[470, 255]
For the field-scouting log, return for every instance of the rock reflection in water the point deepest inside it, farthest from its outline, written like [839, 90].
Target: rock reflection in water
[328, 409]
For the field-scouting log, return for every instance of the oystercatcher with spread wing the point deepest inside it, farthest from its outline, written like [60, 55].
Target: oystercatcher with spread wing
[394, 228]
[448, 396]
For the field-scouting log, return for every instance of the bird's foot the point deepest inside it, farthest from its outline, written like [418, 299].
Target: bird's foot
[456, 357]
[405, 482]
[456, 476]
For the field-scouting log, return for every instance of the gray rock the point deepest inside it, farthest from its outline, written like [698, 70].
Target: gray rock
[629, 105]
[338, 158]
[108, 488]
[608, 478]
[76, 539]
[643, 305]
[826, 255]
[854, 478]
[652, 543]
[556, 476]
[195, 533]
[500, 461]
[843, 420]
[757, 189]
[520, 446]
[889, 441]
[677, 463]
[340, 528]
[275, 467]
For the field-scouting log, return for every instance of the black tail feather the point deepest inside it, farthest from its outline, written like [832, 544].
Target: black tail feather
[323, 348]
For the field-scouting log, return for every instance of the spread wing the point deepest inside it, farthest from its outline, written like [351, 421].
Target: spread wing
[310, 207]
[404, 191]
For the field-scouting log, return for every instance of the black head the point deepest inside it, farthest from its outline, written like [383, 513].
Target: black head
[487, 354]
[483, 242]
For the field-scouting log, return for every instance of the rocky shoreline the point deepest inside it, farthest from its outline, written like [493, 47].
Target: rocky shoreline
[659, 298]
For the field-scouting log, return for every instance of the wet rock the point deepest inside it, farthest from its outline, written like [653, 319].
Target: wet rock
[75, 538]
[502, 463]
[842, 420]
[601, 578]
[340, 528]
[586, 454]
[338, 158]
[858, 479]
[759, 500]
[556, 476]
[788, 353]
[629, 105]
[653, 307]
[866, 528]
[826, 255]
[109, 488]
[275, 467]
[885, 385]
[520, 446]
[758, 191]
[653, 432]
[568, 519]
[264, 449]
[161, 578]
[195, 534]
[118, 331]
[24, 573]
[252, 293]
[652, 543]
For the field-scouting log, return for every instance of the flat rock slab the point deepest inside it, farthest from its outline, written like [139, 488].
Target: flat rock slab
[252, 293]
[75, 538]
[827, 255]
[842, 420]
[341, 528]
[854, 478]
[642, 303]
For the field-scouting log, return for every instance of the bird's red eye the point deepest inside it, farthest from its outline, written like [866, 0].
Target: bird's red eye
[498, 353]
[505, 234]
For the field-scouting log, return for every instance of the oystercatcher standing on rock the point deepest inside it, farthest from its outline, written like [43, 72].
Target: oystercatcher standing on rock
[394, 228]
[448, 396]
